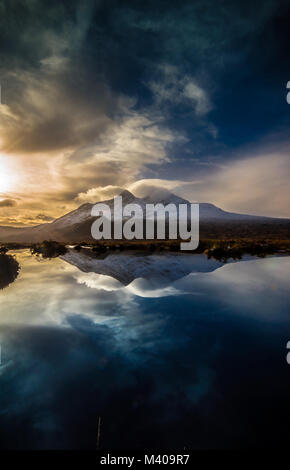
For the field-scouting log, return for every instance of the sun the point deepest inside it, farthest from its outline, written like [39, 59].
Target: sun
[7, 175]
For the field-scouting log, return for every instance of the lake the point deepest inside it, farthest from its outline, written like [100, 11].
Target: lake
[169, 350]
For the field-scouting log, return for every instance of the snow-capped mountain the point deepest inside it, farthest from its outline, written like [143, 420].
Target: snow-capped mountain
[126, 267]
[75, 226]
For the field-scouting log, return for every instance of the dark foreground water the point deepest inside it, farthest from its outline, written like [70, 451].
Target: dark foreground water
[171, 351]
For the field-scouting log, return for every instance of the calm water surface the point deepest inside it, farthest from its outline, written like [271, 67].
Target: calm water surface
[171, 351]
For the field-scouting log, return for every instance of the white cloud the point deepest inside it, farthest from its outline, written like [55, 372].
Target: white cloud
[99, 194]
[253, 185]
[177, 88]
[138, 138]
[198, 96]
[144, 187]
[118, 159]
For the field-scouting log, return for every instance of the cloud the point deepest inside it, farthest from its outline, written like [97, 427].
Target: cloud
[144, 187]
[140, 188]
[136, 142]
[138, 138]
[255, 184]
[53, 99]
[96, 170]
[53, 112]
[176, 88]
[8, 203]
[99, 194]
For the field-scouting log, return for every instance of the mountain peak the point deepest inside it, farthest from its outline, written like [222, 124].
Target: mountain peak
[165, 197]
[127, 196]
[126, 193]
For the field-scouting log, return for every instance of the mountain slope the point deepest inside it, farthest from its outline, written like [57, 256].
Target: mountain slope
[127, 267]
[75, 227]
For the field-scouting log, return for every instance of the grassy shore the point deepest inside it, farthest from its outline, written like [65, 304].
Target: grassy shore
[218, 249]
[221, 249]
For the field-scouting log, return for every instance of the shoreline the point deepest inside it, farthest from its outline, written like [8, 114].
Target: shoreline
[220, 249]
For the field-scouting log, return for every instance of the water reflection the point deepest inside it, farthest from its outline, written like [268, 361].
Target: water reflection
[153, 344]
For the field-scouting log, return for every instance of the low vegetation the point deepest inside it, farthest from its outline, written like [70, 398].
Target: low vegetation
[48, 249]
[220, 249]
[223, 250]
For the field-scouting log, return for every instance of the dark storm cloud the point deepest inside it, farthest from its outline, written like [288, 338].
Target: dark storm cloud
[66, 67]
[55, 100]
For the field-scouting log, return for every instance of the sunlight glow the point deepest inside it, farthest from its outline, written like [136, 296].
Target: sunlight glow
[7, 175]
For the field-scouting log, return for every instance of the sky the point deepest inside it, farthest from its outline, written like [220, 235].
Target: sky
[100, 95]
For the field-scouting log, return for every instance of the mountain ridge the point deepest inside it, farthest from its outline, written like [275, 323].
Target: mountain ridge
[75, 225]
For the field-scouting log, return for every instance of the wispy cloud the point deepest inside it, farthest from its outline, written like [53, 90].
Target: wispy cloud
[173, 87]
[253, 184]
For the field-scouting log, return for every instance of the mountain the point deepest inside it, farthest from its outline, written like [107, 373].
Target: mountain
[75, 227]
[127, 267]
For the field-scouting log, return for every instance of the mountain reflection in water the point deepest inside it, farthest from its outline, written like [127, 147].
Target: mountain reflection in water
[171, 350]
